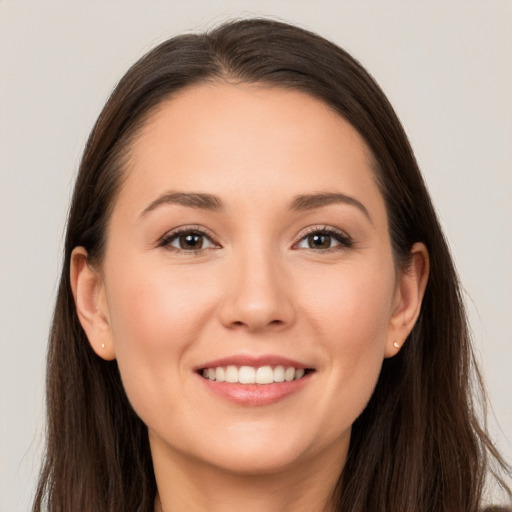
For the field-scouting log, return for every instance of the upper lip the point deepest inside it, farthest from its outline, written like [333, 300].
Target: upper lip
[254, 360]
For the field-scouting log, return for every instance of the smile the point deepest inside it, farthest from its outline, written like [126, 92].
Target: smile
[255, 380]
[253, 375]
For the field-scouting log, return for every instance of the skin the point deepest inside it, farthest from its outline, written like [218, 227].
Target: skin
[257, 287]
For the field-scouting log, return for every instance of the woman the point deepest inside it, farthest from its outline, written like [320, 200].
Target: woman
[257, 307]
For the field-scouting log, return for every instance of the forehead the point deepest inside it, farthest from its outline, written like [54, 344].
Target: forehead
[247, 143]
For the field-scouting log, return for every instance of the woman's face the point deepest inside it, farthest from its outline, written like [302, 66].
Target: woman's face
[248, 238]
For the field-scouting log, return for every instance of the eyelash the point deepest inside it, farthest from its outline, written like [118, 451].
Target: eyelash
[344, 241]
[188, 230]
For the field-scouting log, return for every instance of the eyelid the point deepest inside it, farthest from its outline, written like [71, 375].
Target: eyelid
[345, 240]
[341, 236]
[185, 229]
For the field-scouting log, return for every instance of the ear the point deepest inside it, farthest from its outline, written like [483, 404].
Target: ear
[91, 305]
[410, 289]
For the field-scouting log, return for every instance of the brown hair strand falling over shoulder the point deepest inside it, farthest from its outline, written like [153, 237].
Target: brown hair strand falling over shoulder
[418, 445]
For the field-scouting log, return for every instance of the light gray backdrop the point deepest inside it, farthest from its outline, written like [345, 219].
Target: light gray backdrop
[446, 67]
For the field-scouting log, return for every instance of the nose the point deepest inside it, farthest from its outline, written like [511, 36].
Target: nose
[257, 294]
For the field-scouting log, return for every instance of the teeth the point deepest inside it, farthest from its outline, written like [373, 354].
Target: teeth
[247, 375]
[299, 374]
[231, 374]
[251, 375]
[279, 374]
[264, 375]
[289, 374]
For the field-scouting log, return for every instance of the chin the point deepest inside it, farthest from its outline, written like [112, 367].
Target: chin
[254, 451]
[256, 461]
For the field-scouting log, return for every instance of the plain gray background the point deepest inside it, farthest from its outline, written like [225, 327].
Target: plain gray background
[446, 67]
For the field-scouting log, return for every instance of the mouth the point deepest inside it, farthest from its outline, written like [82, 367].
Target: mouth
[255, 380]
[260, 375]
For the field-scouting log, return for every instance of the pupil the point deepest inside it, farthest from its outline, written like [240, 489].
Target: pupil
[192, 241]
[319, 241]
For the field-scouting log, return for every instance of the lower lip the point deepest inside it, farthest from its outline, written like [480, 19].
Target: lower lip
[253, 395]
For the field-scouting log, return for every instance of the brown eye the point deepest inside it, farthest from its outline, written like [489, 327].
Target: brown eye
[326, 239]
[188, 241]
[319, 241]
[191, 241]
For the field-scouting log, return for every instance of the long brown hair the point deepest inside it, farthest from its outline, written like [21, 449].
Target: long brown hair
[418, 445]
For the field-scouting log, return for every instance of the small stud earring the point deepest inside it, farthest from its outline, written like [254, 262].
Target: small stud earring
[103, 345]
[395, 344]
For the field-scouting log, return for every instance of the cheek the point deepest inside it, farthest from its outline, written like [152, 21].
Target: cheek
[352, 306]
[351, 320]
[153, 303]
[155, 316]
[146, 311]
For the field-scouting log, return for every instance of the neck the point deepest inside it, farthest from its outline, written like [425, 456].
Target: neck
[185, 484]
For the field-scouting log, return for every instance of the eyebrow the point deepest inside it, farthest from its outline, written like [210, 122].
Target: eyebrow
[190, 199]
[214, 203]
[311, 201]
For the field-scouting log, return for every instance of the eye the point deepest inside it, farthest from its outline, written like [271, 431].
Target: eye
[325, 239]
[188, 240]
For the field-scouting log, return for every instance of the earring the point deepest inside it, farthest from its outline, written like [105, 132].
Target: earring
[103, 345]
[395, 344]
